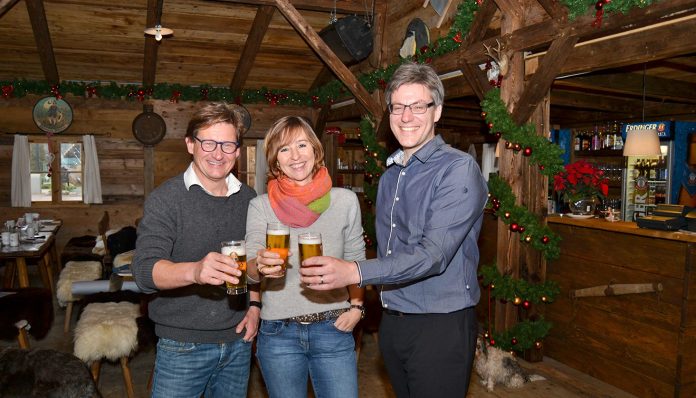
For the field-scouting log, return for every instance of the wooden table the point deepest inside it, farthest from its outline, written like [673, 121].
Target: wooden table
[42, 248]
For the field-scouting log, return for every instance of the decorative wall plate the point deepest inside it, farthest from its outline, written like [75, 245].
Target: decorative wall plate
[52, 115]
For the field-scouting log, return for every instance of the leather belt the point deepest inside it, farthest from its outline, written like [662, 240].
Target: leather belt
[317, 317]
[395, 313]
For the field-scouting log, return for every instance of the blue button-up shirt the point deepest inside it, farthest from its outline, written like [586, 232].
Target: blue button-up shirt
[429, 215]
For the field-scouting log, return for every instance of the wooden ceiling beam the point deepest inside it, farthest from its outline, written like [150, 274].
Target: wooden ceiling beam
[476, 78]
[42, 36]
[540, 83]
[341, 7]
[329, 58]
[554, 9]
[642, 46]
[510, 8]
[538, 36]
[151, 45]
[631, 84]
[6, 5]
[262, 20]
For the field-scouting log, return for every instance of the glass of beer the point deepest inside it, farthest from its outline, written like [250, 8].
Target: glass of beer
[310, 245]
[278, 240]
[237, 250]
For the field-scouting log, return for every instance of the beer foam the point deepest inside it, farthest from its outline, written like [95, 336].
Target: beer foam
[310, 241]
[240, 251]
[278, 232]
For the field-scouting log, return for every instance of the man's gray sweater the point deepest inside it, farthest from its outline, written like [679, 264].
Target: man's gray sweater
[184, 226]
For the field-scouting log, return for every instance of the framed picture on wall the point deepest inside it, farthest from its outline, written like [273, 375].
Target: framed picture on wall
[52, 115]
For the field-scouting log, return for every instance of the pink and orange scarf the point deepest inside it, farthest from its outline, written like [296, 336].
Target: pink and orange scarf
[300, 206]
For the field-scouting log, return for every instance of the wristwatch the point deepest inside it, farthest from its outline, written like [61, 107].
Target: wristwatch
[255, 304]
[361, 308]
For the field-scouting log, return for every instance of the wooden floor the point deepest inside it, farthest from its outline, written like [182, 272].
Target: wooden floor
[560, 380]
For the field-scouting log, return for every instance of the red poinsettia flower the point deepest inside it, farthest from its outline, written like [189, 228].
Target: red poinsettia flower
[581, 179]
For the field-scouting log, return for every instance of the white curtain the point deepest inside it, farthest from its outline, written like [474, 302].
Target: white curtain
[488, 160]
[260, 181]
[21, 174]
[91, 186]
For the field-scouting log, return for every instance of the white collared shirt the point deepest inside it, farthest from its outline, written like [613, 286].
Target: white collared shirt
[191, 178]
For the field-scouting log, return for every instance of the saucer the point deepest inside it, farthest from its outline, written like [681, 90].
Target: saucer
[580, 216]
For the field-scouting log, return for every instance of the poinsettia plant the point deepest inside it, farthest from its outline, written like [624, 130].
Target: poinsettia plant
[581, 179]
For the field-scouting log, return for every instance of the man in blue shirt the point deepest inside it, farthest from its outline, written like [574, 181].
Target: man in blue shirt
[429, 213]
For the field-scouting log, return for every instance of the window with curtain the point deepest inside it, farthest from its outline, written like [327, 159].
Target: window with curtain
[56, 175]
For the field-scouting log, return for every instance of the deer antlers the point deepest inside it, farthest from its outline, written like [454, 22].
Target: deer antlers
[501, 57]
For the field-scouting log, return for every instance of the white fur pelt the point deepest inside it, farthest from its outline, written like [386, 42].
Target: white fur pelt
[107, 330]
[495, 366]
[75, 271]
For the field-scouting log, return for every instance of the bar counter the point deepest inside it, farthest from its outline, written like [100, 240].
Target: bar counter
[643, 343]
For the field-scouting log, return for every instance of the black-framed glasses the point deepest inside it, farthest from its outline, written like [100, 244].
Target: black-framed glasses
[417, 109]
[210, 145]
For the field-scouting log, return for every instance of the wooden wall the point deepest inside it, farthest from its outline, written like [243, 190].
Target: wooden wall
[121, 159]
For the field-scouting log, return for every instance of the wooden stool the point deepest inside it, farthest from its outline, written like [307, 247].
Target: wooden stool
[108, 331]
[74, 271]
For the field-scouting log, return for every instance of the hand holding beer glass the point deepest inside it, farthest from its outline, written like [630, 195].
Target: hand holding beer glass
[278, 241]
[237, 250]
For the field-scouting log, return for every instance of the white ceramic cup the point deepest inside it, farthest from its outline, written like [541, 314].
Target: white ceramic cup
[10, 224]
[5, 238]
[30, 231]
[14, 239]
[28, 218]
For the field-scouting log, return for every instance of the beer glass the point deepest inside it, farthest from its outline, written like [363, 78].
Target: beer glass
[310, 245]
[278, 241]
[237, 250]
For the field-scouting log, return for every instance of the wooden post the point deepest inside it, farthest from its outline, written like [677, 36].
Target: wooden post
[148, 169]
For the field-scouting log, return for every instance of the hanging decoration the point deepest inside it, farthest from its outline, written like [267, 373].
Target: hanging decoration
[505, 287]
[577, 8]
[7, 91]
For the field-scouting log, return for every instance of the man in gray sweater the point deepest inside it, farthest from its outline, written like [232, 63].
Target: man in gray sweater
[204, 334]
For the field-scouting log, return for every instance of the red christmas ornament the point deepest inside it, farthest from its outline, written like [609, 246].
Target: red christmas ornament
[382, 84]
[514, 227]
[545, 239]
[508, 144]
[176, 94]
[542, 167]
[599, 6]
[491, 342]
[490, 125]
[527, 151]
[91, 91]
[521, 229]
[496, 206]
[513, 341]
[424, 49]
[526, 304]
[498, 134]
[517, 147]
[483, 115]
[141, 95]
[204, 94]
[7, 91]
[458, 37]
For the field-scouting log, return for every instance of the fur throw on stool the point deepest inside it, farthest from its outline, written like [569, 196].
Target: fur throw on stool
[495, 366]
[107, 330]
[44, 373]
[75, 271]
[35, 305]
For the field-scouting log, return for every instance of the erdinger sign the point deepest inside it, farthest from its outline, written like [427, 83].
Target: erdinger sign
[663, 128]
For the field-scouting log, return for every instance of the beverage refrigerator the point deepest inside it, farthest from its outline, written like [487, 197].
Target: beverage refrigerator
[652, 180]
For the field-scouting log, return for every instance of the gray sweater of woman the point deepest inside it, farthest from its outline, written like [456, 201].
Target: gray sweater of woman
[184, 226]
[342, 237]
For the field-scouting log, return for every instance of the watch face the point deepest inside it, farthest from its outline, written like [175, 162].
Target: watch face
[52, 115]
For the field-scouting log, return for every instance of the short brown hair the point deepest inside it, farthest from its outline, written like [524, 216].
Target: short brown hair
[214, 113]
[280, 134]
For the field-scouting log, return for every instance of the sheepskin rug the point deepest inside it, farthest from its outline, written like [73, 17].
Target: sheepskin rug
[75, 271]
[123, 258]
[107, 330]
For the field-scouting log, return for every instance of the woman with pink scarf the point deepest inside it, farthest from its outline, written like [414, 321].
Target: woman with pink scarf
[304, 332]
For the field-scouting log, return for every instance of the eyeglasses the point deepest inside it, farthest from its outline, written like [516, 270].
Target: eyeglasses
[210, 145]
[417, 108]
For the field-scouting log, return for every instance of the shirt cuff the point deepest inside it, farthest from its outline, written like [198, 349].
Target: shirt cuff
[360, 284]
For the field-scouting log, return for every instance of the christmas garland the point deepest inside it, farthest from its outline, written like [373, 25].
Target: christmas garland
[521, 337]
[517, 291]
[375, 157]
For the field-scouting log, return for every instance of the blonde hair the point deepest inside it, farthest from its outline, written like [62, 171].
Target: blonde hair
[281, 133]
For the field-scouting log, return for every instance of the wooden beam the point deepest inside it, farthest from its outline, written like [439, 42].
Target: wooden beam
[263, 18]
[328, 57]
[6, 5]
[325, 75]
[539, 85]
[341, 7]
[631, 84]
[642, 46]
[151, 46]
[477, 80]
[510, 7]
[554, 9]
[481, 21]
[42, 36]
[321, 120]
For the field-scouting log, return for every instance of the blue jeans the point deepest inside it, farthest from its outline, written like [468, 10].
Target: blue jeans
[187, 370]
[289, 351]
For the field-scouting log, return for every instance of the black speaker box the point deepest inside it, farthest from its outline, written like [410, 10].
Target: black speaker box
[350, 38]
